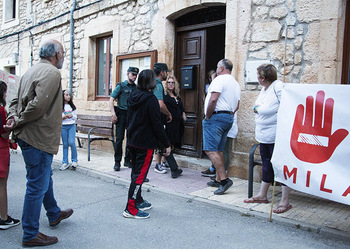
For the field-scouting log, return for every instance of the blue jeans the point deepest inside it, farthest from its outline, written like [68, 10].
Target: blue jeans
[215, 131]
[39, 190]
[68, 139]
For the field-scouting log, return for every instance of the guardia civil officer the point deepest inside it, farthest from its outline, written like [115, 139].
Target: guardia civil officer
[119, 114]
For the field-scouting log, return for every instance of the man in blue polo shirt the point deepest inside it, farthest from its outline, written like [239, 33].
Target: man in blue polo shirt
[119, 114]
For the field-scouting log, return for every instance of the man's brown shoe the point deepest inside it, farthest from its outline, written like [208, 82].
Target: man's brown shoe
[40, 240]
[64, 215]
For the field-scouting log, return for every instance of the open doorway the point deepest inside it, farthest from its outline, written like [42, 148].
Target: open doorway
[200, 44]
[215, 46]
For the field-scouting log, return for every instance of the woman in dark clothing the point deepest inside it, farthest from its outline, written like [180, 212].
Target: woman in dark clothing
[144, 132]
[175, 128]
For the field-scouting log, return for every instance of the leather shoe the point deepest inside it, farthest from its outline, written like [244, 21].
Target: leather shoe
[117, 166]
[176, 173]
[64, 215]
[40, 240]
[222, 188]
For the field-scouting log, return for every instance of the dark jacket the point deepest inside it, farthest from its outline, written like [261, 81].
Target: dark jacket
[144, 126]
[175, 128]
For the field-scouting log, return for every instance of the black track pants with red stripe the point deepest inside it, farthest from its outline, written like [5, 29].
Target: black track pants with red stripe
[141, 160]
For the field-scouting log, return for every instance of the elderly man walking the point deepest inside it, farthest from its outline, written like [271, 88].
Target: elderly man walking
[221, 102]
[35, 116]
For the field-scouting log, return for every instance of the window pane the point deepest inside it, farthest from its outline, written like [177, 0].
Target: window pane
[101, 70]
[10, 10]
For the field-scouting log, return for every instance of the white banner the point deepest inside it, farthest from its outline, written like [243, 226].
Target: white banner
[312, 149]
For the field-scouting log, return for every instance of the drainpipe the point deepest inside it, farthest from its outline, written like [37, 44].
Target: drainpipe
[71, 46]
[31, 48]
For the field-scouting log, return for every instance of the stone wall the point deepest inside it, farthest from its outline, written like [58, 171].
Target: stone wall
[301, 37]
[309, 32]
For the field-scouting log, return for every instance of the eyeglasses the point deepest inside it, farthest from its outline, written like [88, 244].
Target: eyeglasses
[171, 82]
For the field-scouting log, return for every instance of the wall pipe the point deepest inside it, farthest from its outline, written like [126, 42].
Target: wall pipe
[31, 48]
[71, 47]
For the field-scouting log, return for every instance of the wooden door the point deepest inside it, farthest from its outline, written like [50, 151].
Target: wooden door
[191, 50]
[346, 48]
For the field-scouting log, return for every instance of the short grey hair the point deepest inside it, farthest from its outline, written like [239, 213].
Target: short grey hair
[49, 49]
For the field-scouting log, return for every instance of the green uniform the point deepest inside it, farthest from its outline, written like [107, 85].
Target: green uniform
[121, 93]
[158, 91]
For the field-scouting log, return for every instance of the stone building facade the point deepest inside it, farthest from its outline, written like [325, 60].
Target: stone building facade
[303, 38]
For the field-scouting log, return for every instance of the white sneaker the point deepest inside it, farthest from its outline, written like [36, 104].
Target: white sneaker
[74, 165]
[64, 166]
[159, 169]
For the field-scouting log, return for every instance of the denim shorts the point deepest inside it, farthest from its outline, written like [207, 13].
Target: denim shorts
[215, 131]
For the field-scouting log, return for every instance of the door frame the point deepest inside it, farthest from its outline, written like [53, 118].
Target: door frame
[345, 77]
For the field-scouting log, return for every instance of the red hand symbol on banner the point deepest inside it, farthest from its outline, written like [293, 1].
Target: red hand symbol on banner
[315, 143]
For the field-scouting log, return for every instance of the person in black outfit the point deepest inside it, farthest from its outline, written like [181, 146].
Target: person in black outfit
[175, 128]
[172, 100]
[144, 132]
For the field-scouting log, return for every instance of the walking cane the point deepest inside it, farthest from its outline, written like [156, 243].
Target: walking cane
[273, 198]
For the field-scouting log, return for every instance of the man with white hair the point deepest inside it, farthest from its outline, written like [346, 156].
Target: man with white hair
[35, 116]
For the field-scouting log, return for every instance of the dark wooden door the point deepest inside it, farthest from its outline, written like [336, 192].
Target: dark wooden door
[346, 48]
[191, 51]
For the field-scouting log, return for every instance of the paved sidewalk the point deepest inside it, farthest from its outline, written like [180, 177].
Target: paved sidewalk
[309, 213]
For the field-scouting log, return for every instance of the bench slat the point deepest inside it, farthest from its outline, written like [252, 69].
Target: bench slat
[85, 136]
[94, 117]
[99, 131]
[94, 123]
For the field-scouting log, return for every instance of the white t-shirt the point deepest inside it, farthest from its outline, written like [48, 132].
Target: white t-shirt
[229, 90]
[69, 109]
[266, 106]
[232, 133]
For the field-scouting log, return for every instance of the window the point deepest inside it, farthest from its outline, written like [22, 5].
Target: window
[143, 60]
[10, 10]
[104, 67]
[10, 14]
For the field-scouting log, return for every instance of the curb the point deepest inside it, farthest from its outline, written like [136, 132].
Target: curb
[329, 232]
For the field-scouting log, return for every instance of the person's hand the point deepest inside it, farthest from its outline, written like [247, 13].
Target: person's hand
[10, 124]
[114, 118]
[184, 117]
[69, 115]
[314, 143]
[167, 151]
[169, 118]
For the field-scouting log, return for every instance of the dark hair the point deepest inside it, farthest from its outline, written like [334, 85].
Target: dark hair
[157, 70]
[227, 64]
[70, 102]
[3, 88]
[146, 80]
[268, 71]
[49, 49]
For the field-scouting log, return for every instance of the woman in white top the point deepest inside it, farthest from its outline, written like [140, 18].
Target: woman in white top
[69, 116]
[265, 109]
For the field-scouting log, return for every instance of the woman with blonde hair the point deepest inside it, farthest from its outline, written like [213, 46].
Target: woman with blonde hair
[175, 128]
